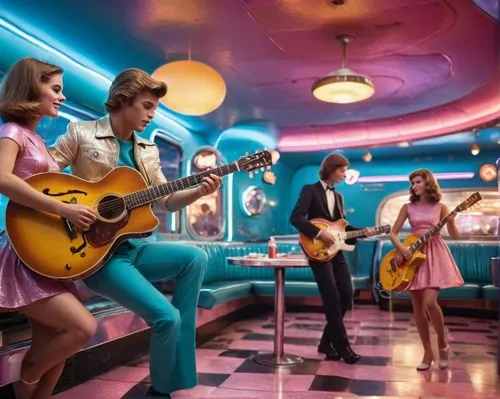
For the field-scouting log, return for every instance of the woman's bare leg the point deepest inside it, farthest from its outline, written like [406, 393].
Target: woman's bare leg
[420, 315]
[72, 326]
[41, 334]
[436, 315]
[437, 318]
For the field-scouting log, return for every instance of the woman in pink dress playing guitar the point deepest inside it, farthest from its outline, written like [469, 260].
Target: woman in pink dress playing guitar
[439, 269]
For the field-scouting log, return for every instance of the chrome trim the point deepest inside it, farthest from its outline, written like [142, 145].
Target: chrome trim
[263, 261]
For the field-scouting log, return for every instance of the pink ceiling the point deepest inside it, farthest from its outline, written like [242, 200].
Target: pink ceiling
[434, 63]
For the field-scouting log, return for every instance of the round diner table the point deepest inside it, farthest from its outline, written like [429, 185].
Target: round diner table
[278, 358]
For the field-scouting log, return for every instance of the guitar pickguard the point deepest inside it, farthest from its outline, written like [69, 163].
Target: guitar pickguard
[102, 233]
[340, 243]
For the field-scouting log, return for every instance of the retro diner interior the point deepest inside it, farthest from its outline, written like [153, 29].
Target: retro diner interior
[421, 90]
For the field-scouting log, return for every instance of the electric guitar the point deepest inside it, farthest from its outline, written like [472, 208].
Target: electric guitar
[53, 247]
[317, 250]
[398, 276]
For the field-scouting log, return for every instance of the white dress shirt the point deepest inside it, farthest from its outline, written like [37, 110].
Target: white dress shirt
[330, 198]
[330, 201]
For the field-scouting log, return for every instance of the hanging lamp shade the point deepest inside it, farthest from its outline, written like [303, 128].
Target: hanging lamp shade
[193, 88]
[343, 86]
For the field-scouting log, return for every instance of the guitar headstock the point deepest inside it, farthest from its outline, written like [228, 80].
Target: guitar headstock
[255, 161]
[476, 197]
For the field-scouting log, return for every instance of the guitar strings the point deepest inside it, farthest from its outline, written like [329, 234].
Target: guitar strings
[118, 202]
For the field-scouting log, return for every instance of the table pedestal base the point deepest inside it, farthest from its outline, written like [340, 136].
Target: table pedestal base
[273, 360]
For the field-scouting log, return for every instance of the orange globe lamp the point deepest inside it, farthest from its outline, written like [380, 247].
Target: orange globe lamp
[193, 88]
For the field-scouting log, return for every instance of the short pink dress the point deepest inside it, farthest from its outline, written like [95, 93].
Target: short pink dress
[439, 269]
[19, 286]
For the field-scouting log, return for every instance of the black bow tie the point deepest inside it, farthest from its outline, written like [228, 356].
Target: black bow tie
[330, 188]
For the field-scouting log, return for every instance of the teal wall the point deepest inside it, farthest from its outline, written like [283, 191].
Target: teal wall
[233, 143]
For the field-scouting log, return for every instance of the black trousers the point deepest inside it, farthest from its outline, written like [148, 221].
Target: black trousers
[335, 287]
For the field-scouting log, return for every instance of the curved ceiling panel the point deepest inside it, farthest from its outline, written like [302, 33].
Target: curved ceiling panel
[473, 110]
[307, 29]
[421, 54]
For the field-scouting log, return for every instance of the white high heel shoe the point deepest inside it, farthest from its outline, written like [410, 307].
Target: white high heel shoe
[425, 365]
[444, 363]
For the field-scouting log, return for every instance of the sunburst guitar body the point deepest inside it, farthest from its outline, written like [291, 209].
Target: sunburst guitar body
[52, 246]
[316, 250]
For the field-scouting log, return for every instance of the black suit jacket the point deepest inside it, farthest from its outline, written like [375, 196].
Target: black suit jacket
[312, 204]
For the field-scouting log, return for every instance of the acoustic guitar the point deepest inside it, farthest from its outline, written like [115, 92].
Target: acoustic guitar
[317, 250]
[53, 247]
[398, 276]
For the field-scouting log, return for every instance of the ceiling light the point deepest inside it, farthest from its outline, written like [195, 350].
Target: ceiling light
[367, 157]
[343, 86]
[193, 88]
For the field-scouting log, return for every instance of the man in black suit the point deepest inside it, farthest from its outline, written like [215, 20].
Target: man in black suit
[321, 200]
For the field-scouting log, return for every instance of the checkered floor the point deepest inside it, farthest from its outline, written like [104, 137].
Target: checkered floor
[388, 343]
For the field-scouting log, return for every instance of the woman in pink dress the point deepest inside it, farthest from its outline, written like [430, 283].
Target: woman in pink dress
[60, 324]
[439, 269]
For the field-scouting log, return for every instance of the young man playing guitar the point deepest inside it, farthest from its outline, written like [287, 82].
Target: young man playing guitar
[321, 200]
[93, 149]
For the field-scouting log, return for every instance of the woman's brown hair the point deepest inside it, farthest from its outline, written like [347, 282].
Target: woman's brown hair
[330, 164]
[129, 84]
[20, 92]
[432, 188]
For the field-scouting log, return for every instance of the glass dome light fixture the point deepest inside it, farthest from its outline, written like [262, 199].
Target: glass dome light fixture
[193, 88]
[343, 86]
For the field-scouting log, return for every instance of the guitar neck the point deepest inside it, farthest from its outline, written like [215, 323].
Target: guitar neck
[151, 194]
[361, 233]
[432, 232]
[354, 234]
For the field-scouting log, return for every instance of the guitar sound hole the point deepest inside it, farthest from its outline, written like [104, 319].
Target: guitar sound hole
[111, 207]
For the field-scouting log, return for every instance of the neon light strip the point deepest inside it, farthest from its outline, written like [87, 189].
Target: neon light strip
[230, 207]
[37, 42]
[70, 117]
[173, 225]
[79, 111]
[396, 178]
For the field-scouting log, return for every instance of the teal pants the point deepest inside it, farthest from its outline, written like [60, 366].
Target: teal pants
[126, 279]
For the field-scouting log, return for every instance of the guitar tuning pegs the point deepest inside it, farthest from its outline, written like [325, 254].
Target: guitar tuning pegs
[250, 175]
[262, 169]
[268, 167]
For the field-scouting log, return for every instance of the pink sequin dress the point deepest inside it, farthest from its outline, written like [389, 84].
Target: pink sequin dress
[439, 269]
[19, 286]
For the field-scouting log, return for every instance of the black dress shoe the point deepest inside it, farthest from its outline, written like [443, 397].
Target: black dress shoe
[153, 393]
[349, 355]
[325, 347]
[333, 355]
